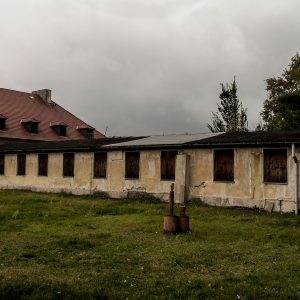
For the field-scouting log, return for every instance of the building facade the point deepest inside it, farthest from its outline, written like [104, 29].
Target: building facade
[246, 170]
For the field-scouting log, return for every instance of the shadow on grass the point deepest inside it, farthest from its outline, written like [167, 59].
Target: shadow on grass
[16, 290]
[74, 243]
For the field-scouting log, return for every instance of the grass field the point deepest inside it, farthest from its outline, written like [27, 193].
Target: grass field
[72, 247]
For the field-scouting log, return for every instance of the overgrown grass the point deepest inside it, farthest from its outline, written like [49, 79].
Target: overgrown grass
[71, 247]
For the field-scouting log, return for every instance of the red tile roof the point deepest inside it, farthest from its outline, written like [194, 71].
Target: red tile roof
[29, 120]
[23, 107]
[84, 126]
[58, 123]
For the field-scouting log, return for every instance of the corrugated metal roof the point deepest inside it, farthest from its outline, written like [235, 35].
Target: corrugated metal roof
[170, 139]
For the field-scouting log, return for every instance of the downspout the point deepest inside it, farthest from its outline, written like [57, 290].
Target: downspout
[296, 191]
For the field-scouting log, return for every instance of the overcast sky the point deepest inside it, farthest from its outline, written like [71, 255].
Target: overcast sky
[146, 66]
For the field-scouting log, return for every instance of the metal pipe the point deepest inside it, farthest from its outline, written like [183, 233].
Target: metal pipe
[171, 202]
[296, 173]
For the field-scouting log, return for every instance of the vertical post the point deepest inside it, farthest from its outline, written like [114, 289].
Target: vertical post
[296, 191]
[296, 188]
[170, 220]
[171, 202]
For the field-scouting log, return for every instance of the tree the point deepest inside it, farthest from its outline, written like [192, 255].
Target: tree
[281, 111]
[231, 115]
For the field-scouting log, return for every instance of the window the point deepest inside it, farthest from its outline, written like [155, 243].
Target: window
[31, 124]
[100, 162]
[224, 165]
[59, 127]
[275, 165]
[43, 164]
[2, 164]
[60, 130]
[2, 124]
[86, 132]
[21, 164]
[68, 165]
[132, 165]
[32, 127]
[167, 165]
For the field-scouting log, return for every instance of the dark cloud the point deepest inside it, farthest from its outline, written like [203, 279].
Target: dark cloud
[146, 67]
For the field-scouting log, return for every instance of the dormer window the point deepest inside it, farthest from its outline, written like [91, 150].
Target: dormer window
[2, 122]
[86, 130]
[59, 127]
[31, 124]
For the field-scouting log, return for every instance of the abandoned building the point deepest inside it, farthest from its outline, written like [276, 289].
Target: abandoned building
[246, 169]
[35, 116]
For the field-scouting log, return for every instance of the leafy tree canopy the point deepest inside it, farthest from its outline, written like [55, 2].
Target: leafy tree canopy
[231, 115]
[281, 111]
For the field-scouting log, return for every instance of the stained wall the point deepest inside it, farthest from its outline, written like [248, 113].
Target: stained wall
[194, 178]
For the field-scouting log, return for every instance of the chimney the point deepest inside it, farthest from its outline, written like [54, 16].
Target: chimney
[45, 94]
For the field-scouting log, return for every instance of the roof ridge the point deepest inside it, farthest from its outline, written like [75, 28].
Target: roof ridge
[11, 90]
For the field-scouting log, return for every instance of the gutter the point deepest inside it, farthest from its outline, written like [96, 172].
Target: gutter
[193, 146]
[112, 147]
[296, 174]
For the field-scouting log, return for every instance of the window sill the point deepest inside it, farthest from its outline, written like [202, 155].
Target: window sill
[132, 178]
[167, 179]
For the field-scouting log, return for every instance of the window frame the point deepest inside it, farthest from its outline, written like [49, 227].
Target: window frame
[32, 127]
[21, 169]
[165, 178]
[39, 165]
[223, 180]
[127, 176]
[65, 172]
[94, 165]
[60, 130]
[287, 171]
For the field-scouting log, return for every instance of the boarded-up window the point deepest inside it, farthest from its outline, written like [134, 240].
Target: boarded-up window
[224, 165]
[132, 165]
[68, 165]
[2, 164]
[100, 162]
[167, 164]
[43, 164]
[21, 164]
[275, 165]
